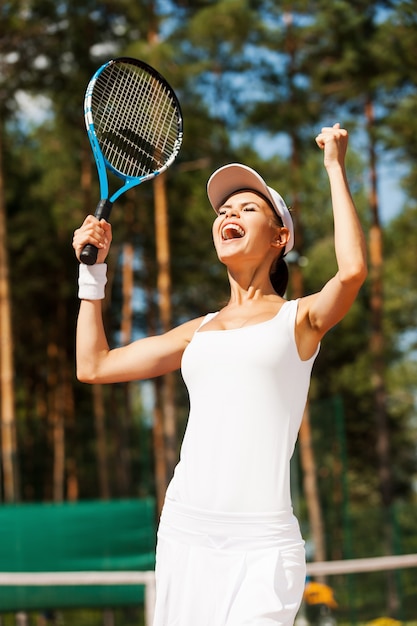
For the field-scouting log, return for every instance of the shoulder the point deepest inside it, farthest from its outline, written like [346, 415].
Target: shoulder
[184, 332]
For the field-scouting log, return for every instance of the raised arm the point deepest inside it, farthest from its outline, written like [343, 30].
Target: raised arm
[96, 363]
[319, 312]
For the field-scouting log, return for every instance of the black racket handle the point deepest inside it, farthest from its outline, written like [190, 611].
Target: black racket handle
[89, 253]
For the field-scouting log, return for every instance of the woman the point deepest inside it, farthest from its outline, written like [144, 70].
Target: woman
[229, 549]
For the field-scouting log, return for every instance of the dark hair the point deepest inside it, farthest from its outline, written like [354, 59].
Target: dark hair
[279, 276]
[279, 271]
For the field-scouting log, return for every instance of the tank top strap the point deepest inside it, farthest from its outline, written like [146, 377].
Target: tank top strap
[286, 316]
[206, 319]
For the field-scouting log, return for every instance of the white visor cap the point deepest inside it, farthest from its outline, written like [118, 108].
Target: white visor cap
[235, 177]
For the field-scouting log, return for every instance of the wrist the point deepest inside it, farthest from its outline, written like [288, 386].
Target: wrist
[334, 166]
[92, 280]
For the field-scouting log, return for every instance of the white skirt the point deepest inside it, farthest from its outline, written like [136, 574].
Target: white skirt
[227, 569]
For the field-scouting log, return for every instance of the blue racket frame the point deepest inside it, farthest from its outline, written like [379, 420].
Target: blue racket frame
[89, 254]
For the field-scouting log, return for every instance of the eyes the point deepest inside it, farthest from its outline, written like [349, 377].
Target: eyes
[246, 208]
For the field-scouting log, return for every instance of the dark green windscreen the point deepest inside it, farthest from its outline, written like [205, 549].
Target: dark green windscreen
[82, 536]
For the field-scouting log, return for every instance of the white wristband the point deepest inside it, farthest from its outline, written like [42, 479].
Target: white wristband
[91, 281]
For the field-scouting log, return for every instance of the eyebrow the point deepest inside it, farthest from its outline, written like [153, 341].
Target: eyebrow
[226, 204]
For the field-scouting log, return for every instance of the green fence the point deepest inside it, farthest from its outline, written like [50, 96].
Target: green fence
[82, 536]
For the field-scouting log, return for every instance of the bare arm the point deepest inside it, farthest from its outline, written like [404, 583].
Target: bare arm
[319, 312]
[145, 358]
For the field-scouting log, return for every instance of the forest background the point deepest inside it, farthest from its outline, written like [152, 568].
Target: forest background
[257, 80]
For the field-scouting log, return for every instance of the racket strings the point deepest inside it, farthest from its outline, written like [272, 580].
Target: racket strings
[162, 128]
[136, 120]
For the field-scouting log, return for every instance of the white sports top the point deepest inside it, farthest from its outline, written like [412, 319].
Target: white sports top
[248, 389]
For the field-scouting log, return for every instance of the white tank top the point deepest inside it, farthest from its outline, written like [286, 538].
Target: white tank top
[248, 389]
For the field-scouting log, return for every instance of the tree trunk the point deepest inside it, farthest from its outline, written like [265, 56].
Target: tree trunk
[127, 294]
[125, 406]
[159, 456]
[97, 391]
[377, 334]
[8, 423]
[167, 388]
[307, 458]
[310, 488]
[71, 468]
[308, 463]
[101, 441]
[56, 409]
[56, 424]
[159, 447]
[378, 364]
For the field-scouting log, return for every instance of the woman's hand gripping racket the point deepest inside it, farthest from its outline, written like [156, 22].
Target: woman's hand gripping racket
[134, 124]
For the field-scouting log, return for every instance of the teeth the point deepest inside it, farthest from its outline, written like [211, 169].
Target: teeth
[232, 231]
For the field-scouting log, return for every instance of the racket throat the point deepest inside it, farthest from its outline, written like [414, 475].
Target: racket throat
[103, 209]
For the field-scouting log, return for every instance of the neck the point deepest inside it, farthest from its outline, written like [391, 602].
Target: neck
[249, 289]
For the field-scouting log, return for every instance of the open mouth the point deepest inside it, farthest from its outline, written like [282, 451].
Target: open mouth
[232, 231]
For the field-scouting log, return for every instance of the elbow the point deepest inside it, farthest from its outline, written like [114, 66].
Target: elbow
[89, 367]
[355, 274]
[84, 375]
[83, 378]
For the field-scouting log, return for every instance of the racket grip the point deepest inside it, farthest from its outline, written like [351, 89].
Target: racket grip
[103, 209]
[89, 253]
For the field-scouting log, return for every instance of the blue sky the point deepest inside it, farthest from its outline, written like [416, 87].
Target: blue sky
[391, 197]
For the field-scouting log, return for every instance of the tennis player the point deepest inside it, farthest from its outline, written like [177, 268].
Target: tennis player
[230, 552]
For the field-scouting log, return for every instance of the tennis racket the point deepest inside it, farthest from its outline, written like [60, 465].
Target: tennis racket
[134, 124]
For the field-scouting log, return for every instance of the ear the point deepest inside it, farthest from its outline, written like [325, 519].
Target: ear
[281, 237]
